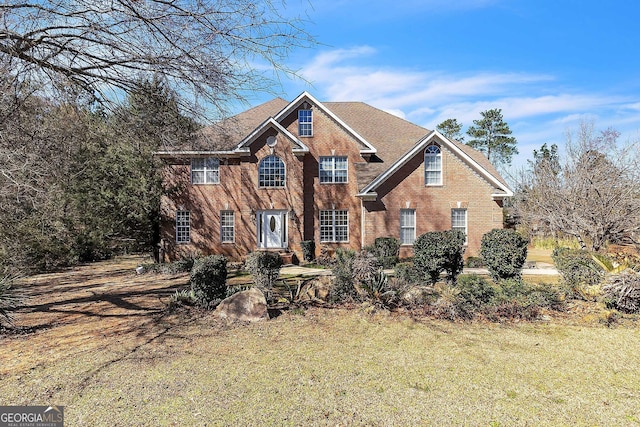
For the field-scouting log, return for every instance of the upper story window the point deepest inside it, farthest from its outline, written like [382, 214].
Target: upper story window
[271, 172]
[333, 170]
[305, 123]
[432, 165]
[205, 171]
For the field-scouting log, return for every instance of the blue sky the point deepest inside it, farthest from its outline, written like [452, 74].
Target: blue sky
[547, 64]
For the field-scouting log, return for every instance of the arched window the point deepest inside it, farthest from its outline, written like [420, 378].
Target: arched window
[432, 165]
[271, 172]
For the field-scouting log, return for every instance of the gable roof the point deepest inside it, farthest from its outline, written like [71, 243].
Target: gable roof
[387, 141]
[469, 155]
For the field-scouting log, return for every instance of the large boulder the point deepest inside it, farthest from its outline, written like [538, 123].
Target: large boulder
[316, 289]
[245, 306]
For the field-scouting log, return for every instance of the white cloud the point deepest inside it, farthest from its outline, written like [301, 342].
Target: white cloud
[537, 111]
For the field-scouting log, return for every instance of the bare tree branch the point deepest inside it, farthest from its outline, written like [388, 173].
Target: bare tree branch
[207, 49]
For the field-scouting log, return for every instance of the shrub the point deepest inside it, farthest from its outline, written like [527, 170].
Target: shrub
[343, 288]
[208, 280]
[504, 253]
[475, 262]
[407, 272]
[578, 269]
[439, 251]
[386, 250]
[308, 249]
[475, 292]
[623, 292]
[264, 268]
[8, 299]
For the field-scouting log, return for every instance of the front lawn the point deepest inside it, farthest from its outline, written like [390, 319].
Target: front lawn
[113, 356]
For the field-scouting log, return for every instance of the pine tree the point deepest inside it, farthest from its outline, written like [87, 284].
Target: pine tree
[451, 129]
[491, 136]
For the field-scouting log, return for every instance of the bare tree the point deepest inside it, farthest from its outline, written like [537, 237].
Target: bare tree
[592, 193]
[212, 50]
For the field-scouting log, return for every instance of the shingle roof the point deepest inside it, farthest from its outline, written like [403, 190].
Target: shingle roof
[392, 136]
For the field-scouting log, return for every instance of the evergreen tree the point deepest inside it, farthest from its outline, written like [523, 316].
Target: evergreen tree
[451, 129]
[491, 136]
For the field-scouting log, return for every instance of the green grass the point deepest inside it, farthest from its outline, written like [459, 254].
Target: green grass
[334, 367]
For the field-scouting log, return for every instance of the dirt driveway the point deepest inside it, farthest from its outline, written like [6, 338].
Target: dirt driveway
[84, 308]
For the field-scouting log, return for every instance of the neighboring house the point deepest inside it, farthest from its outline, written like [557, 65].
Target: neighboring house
[338, 173]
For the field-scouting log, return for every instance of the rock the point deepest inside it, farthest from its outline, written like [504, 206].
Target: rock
[140, 270]
[417, 295]
[245, 306]
[317, 288]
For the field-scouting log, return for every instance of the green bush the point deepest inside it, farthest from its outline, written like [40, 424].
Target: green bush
[475, 292]
[504, 253]
[406, 272]
[308, 250]
[387, 251]
[439, 251]
[264, 268]
[475, 262]
[623, 292]
[577, 268]
[343, 289]
[208, 280]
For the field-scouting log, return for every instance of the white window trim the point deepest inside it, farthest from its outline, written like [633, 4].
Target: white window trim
[183, 228]
[205, 170]
[426, 154]
[405, 227]
[334, 226]
[284, 167]
[333, 169]
[466, 223]
[310, 123]
[232, 226]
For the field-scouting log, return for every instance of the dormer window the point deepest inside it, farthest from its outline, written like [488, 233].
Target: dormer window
[271, 172]
[205, 171]
[432, 165]
[305, 123]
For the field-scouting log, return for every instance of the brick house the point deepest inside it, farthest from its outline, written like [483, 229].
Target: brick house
[338, 173]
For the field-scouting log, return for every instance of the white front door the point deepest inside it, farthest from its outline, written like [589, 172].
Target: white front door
[272, 229]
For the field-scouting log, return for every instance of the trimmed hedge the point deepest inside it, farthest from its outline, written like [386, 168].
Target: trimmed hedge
[208, 280]
[439, 251]
[504, 253]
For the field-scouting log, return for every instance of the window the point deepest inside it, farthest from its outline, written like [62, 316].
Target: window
[459, 221]
[334, 226]
[432, 165]
[333, 169]
[305, 123]
[407, 226]
[183, 227]
[227, 224]
[205, 171]
[271, 172]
